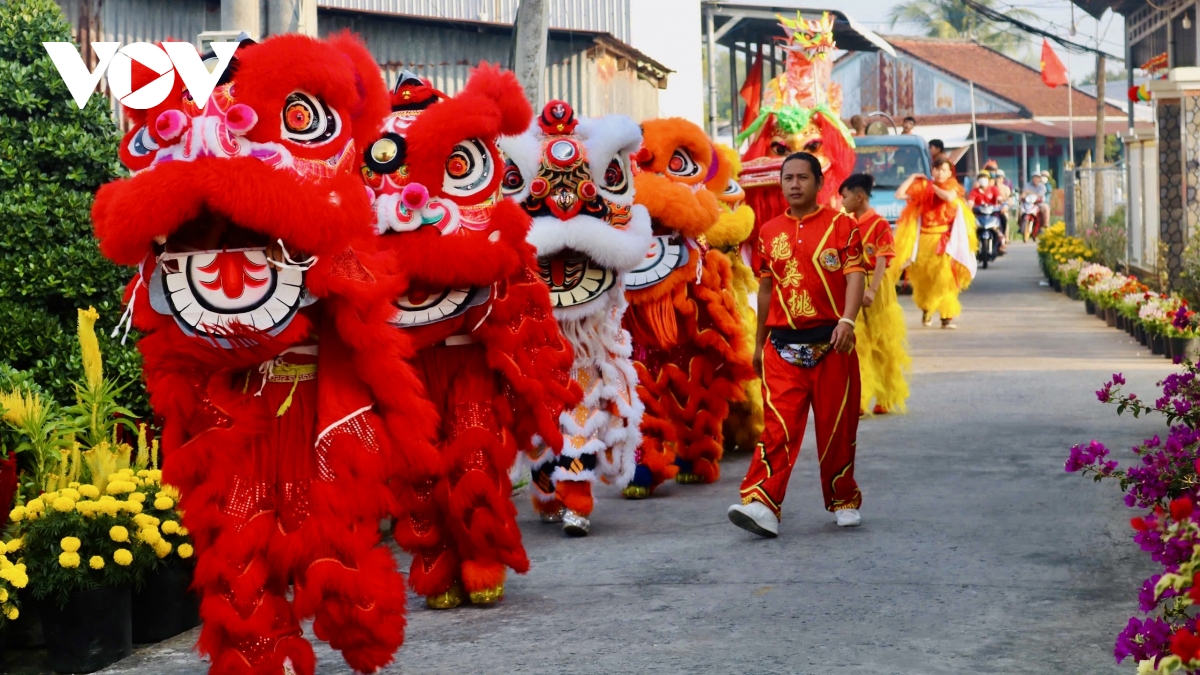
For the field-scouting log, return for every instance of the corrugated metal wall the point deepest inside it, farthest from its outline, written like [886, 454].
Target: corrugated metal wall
[576, 71]
[609, 16]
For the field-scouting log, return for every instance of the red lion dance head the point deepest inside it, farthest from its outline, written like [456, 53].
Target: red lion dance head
[244, 216]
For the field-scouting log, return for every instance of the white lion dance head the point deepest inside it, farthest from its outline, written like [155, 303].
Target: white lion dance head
[574, 177]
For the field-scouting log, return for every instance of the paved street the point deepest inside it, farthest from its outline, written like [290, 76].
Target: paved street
[978, 554]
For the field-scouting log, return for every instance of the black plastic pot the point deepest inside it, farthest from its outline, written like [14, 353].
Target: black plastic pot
[1140, 334]
[1184, 348]
[92, 631]
[1118, 320]
[165, 607]
[1054, 283]
[1072, 291]
[1110, 317]
[1089, 306]
[26, 631]
[1158, 345]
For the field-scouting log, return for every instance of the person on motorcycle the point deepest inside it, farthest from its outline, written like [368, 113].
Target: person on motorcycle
[984, 192]
[1005, 190]
[1037, 187]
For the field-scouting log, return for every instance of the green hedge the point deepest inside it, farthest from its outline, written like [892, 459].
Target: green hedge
[53, 157]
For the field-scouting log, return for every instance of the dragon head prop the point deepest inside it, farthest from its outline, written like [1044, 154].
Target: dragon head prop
[574, 177]
[434, 173]
[239, 212]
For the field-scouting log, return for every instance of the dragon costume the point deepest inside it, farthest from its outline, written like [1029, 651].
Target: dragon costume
[285, 397]
[489, 352]
[689, 344]
[574, 176]
[800, 111]
[730, 236]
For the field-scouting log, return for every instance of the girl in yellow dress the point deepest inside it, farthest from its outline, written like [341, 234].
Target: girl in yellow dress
[880, 336]
[935, 241]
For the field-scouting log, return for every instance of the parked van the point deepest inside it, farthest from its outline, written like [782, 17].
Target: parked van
[890, 159]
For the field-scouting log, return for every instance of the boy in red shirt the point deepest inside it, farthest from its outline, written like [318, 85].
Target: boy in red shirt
[810, 291]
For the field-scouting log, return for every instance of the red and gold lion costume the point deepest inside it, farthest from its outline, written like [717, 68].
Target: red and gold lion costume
[286, 400]
[469, 298]
[688, 340]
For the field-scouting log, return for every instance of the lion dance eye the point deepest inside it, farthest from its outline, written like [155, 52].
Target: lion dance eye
[468, 169]
[387, 154]
[513, 182]
[142, 143]
[779, 149]
[616, 180]
[681, 164]
[813, 146]
[306, 119]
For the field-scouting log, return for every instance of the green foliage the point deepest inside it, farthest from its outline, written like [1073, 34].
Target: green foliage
[53, 157]
[1108, 240]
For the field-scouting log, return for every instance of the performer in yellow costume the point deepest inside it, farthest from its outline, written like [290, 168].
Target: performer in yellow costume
[880, 336]
[935, 241]
[730, 235]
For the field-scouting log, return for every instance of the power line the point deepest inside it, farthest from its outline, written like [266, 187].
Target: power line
[997, 17]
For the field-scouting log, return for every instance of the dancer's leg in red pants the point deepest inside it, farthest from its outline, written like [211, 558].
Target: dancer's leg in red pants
[832, 389]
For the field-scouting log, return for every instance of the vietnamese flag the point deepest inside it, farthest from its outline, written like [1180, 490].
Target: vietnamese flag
[1053, 71]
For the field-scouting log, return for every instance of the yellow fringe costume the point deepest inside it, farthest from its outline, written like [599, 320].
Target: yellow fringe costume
[945, 261]
[881, 339]
[744, 425]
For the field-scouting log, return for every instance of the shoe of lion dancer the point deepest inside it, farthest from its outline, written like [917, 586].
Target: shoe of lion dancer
[755, 517]
[848, 518]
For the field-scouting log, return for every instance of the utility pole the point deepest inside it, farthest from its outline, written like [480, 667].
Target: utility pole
[242, 15]
[1100, 160]
[531, 30]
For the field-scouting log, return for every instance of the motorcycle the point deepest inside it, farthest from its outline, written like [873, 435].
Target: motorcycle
[987, 230]
[1031, 217]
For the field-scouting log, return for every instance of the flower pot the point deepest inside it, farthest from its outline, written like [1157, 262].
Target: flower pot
[26, 631]
[1110, 317]
[92, 631]
[1089, 306]
[1056, 285]
[165, 607]
[1118, 320]
[1072, 291]
[1184, 348]
[1158, 344]
[1141, 335]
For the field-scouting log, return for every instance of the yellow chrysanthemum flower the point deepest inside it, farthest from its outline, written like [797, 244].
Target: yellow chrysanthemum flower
[163, 503]
[185, 551]
[149, 535]
[118, 533]
[170, 527]
[120, 487]
[122, 557]
[3, 595]
[64, 504]
[16, 545]
[183, 532]
[70, 544]
[68, 559]
[132, 507]
[35, 506]
[93, 364]
[96, 562]
[73, 493]
[17, 514]
[89, 491]
[139, 497]
[12, 613]
[163, 548]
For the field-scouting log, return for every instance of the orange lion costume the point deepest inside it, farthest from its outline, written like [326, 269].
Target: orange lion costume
[284, 395]
[689, 344]
[468, 296]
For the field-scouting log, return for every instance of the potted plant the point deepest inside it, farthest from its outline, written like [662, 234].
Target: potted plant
[164, 606]
[77, 535]
[1181, 334]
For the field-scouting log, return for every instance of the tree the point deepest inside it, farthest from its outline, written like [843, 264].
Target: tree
[954, 19]
[53, 157]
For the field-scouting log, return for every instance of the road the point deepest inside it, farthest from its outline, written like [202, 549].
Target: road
[978, 554]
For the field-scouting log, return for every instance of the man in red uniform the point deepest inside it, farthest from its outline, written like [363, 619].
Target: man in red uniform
[810, 291]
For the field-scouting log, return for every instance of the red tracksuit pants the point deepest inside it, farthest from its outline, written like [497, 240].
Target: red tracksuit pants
[832, 388]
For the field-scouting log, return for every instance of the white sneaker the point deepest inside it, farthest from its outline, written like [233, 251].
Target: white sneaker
[755, 517]
[848, 517]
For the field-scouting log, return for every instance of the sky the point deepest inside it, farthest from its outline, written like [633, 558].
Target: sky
[1054, 16]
